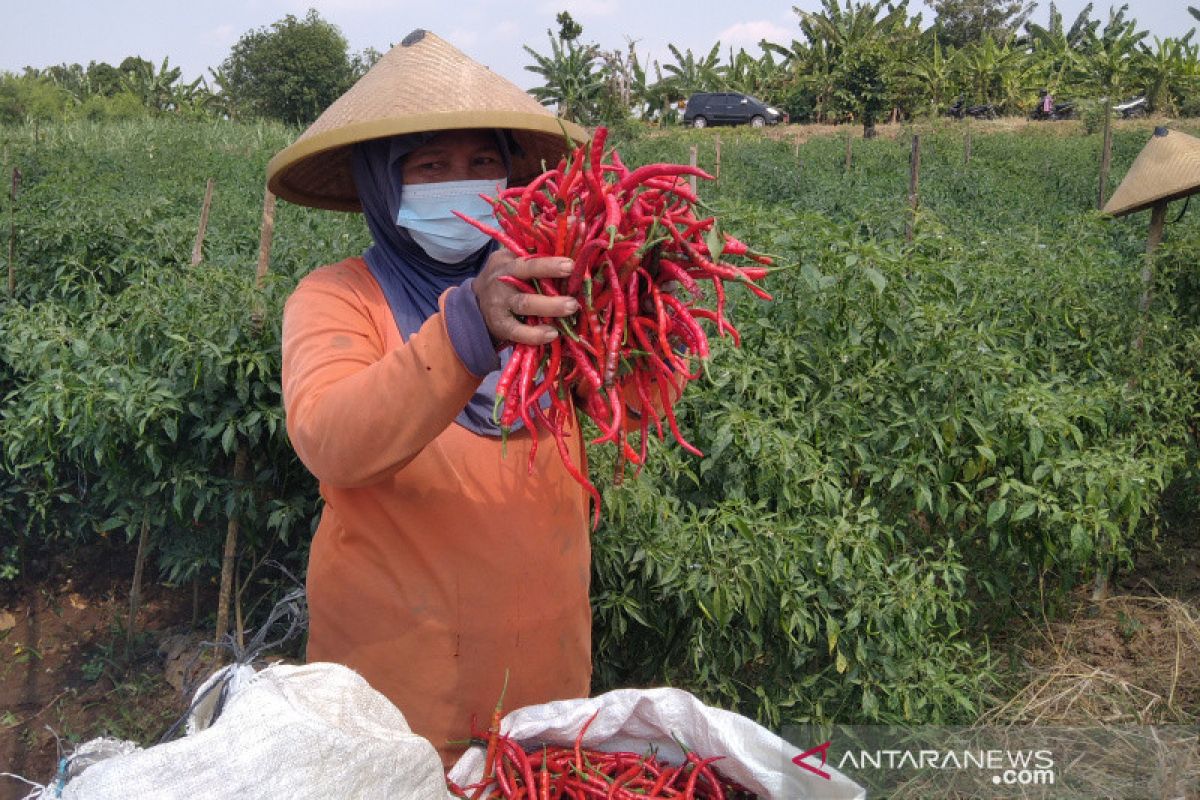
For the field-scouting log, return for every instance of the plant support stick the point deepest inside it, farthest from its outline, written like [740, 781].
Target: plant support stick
[198, 247]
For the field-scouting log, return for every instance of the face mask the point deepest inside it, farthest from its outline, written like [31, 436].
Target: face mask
[426, 211]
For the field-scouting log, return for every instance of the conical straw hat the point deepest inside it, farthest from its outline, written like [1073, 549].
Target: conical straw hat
[1168, 168]
[421, 84]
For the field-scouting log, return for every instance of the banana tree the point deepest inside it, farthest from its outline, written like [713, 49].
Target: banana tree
[573, 80]
[990, 72]
[1052, 48]
[1108, 63]
[156, 88]
[691, 74]
[932, 71]
[1163, 69]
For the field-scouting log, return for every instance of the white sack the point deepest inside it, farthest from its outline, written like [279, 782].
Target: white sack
[288, 733]
[634, 719]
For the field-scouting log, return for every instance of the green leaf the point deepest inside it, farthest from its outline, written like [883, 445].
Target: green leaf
[1025, 510]
[877, 279]
[996, 511]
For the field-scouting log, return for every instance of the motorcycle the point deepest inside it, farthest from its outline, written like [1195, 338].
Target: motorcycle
[1060, 111]
[1132, 108]
[959, 110]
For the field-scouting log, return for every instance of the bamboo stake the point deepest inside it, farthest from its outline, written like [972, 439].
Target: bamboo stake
[135, 590]
[914, 179]
[227, 557]
[796, 153]
[198, 247]
[264, 239]
[1158, 217]
[1105, 156]
[12, 232]
[242, 459]
[692, 162]
[717, 168]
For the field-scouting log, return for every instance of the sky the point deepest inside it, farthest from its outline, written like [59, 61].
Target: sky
[198, 36]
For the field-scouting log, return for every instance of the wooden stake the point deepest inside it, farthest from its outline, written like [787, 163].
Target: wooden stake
[227, 558]
[717, 168]
[242, 460]
[135, 590]
[848, 156]
[914, 179]
[1105, 156]
[692, 162]
[198, 247]
[1158, 217]
[264, 239]
[12, 232]
[797, 150]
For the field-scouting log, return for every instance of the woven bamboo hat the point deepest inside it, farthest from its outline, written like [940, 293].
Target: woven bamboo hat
[1168, 168]
[421, 84]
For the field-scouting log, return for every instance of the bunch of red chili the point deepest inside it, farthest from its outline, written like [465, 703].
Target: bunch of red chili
[577, 773]
[627, 354]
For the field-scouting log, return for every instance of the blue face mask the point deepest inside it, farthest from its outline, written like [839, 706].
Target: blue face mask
[426, 212]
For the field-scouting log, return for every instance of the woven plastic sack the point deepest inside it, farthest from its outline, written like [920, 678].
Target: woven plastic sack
[637, 719]
[287, 732]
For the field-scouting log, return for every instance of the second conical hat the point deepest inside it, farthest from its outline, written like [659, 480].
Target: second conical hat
[1168, 168]
[422, 84]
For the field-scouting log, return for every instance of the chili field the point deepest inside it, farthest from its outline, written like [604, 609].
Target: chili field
[938, 428]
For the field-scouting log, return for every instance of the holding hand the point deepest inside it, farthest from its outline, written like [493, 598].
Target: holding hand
[502, 305]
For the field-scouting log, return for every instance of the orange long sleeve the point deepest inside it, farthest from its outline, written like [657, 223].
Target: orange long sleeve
[443, 558]
[354, 412]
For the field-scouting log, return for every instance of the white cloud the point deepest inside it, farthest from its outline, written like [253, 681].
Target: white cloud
[749, 34]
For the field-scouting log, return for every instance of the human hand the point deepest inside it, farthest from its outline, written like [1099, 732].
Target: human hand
[502, 304]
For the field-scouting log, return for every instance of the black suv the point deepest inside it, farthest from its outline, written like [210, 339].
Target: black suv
[728, 108]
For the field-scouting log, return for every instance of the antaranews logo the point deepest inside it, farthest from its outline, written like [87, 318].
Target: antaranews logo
[999, 761]
[823, 749]
[1007, 767]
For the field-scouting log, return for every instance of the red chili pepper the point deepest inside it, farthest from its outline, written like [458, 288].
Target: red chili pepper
[628, 233]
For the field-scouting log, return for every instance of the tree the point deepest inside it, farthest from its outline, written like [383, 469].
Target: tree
[568, 29]
[1054, 48]
[1108, 62]
[156, 88]
[690, 74]
[991, 73]
[290, 71]
[929, 74]
[574, 81]
[849, 57]
[863, 84]
[965, 21]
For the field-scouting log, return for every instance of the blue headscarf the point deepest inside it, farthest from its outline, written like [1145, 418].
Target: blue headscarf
[412, 281]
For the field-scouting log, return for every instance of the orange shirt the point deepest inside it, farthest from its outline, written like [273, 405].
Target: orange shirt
[440, 561]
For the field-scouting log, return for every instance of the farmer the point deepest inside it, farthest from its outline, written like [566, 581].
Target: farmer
[1047, 102]
[442, 562]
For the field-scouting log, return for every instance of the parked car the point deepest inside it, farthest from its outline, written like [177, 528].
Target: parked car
[729, 108]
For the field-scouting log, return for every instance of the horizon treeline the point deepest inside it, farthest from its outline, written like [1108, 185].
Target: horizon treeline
[850, 62]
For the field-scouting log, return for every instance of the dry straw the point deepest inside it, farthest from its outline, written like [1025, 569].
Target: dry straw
[1113, 693]
[421, 84]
